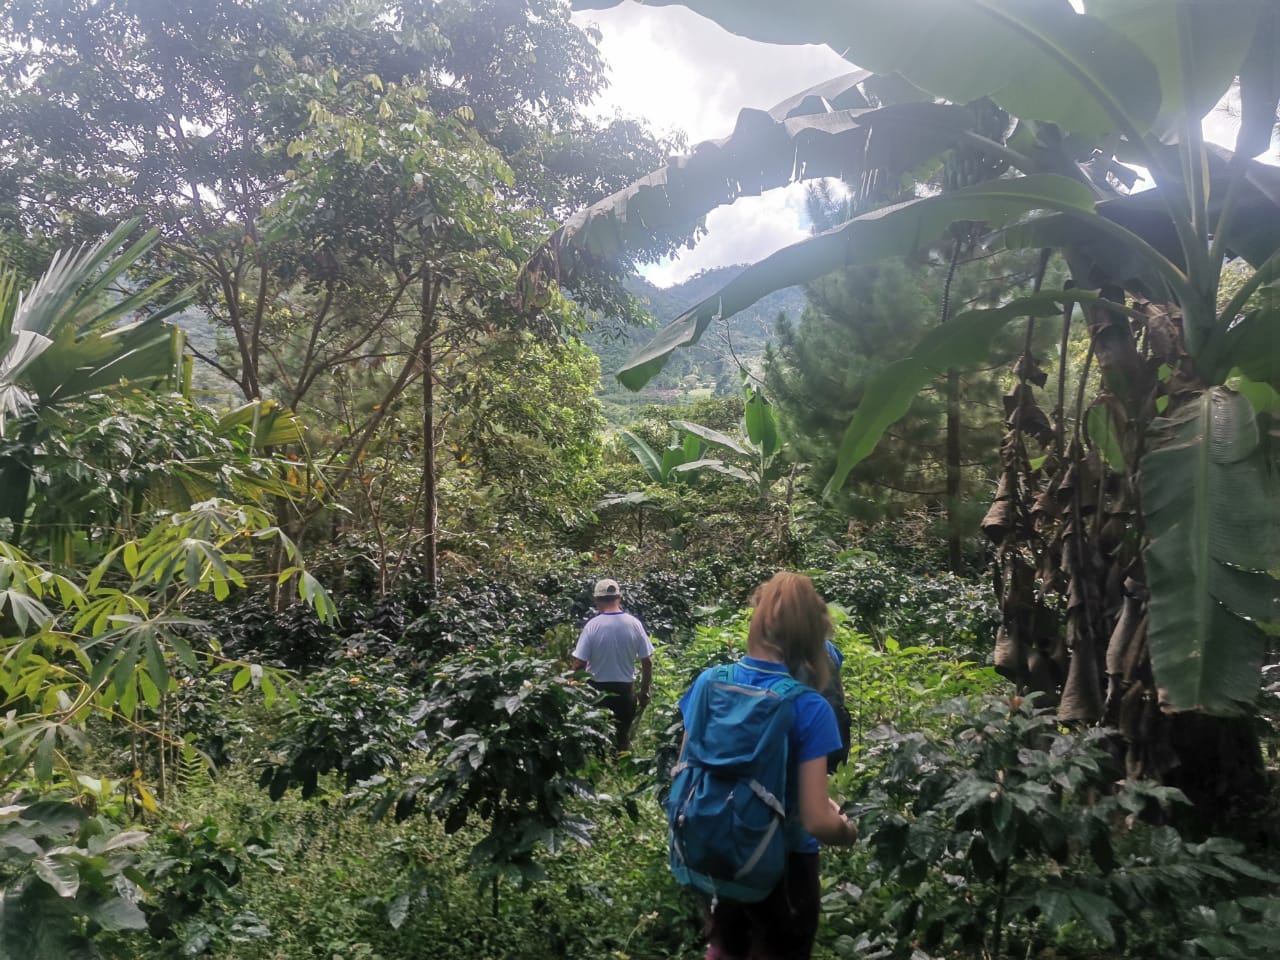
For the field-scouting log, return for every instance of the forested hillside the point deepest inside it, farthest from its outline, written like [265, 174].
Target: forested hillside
[710, 368]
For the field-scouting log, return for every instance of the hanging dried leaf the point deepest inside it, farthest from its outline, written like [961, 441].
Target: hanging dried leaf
[1000, 517]
[1082, 694]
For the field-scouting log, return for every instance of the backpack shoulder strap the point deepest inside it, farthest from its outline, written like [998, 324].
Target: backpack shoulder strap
[788, 688]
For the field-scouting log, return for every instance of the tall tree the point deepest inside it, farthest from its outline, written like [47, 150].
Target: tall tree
[855, 323]
[347, 185]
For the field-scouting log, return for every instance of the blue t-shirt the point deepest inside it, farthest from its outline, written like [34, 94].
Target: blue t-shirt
[814, 732]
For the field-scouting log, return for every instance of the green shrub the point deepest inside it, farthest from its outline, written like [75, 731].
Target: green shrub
[938, 609]
[1006, 835]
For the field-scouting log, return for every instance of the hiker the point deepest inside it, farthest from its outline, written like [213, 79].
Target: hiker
[608, 648]
[735, 764]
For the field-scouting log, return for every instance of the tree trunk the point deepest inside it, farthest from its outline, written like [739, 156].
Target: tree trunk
[955, 558]
[430, 507]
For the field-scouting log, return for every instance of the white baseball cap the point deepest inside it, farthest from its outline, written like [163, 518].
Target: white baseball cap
[607, 588]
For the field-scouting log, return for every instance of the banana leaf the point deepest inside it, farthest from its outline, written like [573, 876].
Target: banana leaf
[1211, 506]
[899, 230]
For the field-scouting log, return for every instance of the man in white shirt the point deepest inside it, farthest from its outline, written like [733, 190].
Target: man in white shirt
[608, 648]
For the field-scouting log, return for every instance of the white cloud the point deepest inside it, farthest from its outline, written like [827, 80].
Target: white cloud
[682, 72]
[745, 232]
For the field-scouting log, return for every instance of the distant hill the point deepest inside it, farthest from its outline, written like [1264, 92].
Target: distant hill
[700, 371]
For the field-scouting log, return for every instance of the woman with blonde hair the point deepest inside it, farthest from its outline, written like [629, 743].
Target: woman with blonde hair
[786, 639]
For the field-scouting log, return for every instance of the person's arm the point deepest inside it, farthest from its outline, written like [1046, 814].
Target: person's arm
[581, 650]
[646, 678]
[818, 812]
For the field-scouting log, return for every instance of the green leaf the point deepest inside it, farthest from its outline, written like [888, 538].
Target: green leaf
[311, 591]
[899, 230]
[1095, 912]
[1212, 511]
[43, 761]
[672, 457]
[692, 448]
[60, 873]
[1218, 39]
[1260, 85]
[715, 438]
[1262, 396]
[645, 454]
[117, 914]
[53, 818]
[1251, 346]
[716, 466]
[1106, 436]
[962, 341]
[762, 429]
[241, 679]
[810, 135]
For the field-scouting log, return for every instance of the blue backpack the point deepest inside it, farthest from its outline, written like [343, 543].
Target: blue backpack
[728, 806]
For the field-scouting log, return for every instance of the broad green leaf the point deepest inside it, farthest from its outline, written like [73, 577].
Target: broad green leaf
[1212, 512]
[311, 591]
[1038, 60]
[715, 438]
[961, 342]
[1106, 436]
[1262, 396]
[762, 428]
[899, 230]
[43, 760]
[672, 457]
[125, 840]
[767, 150]
[117, 914]
[644, 454]
[716, 466]
[1219, 36]
[692, 447]
[1095, 911]
[52, 818]
[1251, 346]
[60, 873]
[1260, 85]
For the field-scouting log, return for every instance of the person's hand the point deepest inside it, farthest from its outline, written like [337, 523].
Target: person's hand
[643, 698]
[851, 832]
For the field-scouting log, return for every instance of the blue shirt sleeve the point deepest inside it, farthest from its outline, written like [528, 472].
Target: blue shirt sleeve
[688, 695]
[815, 727]
[836, 655]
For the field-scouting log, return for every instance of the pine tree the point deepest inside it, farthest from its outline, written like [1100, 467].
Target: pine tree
[855, 322]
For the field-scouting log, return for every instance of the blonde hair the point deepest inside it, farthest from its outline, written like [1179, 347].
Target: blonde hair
[790, 622]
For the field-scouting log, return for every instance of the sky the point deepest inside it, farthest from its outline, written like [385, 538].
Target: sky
[680, 71]
[683, 72]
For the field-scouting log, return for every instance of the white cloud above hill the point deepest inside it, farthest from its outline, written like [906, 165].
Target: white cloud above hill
[682, 72]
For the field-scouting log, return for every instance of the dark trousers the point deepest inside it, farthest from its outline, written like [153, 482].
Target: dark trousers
[620, 700]
[782, 926]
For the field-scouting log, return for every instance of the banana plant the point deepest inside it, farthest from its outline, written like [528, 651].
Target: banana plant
[662, 468]
[753, 457]
[1164, 564]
